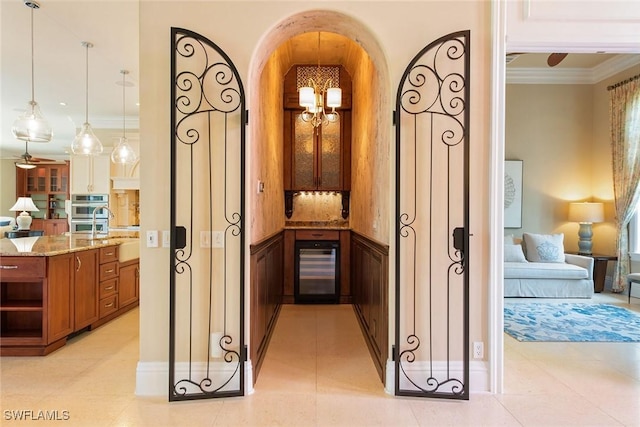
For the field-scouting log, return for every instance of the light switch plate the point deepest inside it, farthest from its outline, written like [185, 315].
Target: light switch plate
[166, 239]
[152, 238]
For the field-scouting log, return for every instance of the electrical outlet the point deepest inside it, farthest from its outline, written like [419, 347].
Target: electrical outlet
[478, 350]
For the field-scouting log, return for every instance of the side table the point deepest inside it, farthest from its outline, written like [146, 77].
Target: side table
[599, 268]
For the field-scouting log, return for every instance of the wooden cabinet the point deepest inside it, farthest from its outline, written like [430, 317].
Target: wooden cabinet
[35, 312]
[90, 174]
[43, 299]
[85, 288]
[316, 159]
[51, 227]
[109, 281]
[129, 282]
[291, 236]
[48, 186]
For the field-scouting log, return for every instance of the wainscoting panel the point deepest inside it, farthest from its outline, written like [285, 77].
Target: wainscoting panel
[370, 290]
[266, 294]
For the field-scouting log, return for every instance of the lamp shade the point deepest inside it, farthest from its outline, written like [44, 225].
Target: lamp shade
[24, 204]
[334, 97]
[307, 96]
[586, 212]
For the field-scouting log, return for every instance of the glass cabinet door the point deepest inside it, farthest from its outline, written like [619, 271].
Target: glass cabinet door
[330, 155]
[316, 155]
[304, 165]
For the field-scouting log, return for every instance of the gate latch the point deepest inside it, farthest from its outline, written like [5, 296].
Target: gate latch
[458, 238]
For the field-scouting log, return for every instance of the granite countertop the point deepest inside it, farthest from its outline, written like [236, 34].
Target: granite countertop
[325, 225]
[59, 244]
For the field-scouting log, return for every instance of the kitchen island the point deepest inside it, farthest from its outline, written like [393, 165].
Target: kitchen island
[52, 287]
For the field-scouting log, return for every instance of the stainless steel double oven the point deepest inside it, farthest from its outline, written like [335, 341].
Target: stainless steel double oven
[82, 208]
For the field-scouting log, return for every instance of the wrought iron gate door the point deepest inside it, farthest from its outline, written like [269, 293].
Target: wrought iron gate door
[431, 351]
[207, 348]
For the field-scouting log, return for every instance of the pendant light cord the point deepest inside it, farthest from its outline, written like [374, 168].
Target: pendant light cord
[86, 117]
[33, 96]
[124, 133]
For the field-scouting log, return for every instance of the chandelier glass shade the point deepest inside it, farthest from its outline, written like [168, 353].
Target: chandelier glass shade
[86, 143]
[316, 87]
[123, 153]
[31, 125]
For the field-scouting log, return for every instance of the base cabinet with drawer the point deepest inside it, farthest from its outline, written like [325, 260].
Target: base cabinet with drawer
[294, 240]
[109, 281]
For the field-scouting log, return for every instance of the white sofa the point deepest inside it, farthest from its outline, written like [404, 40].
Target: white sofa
[560, 276]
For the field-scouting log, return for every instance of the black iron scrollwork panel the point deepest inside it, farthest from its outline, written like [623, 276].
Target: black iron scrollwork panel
[207, 344]
[431, 351]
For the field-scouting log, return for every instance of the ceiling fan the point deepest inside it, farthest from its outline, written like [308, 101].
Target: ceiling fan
[27, 161]
[552, 60]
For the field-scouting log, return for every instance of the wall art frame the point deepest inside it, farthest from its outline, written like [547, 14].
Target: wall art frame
[513, 193]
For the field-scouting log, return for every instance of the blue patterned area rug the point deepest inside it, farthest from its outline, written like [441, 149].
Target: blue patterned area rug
[571, 322]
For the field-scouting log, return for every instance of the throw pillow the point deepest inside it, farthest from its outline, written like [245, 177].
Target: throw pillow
[513, 253]
[509, 239]
[544, 247]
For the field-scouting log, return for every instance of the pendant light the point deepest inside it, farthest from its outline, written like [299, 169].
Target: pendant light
[123, 153]
[31, 125]
[86, 142]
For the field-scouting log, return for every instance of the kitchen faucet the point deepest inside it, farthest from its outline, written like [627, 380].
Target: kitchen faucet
[93, 220]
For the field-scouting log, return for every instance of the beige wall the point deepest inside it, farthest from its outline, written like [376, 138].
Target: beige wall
[8, 186]
[561, 132]
[399, 32]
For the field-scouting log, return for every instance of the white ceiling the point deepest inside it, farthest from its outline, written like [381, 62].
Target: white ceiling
[60, 26]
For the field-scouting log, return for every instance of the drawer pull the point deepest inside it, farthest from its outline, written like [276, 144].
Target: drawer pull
[108, 288]
[79, 263]
[109, 253]
[317, 234]
[108, 305]
[109, 271]
[9, 267]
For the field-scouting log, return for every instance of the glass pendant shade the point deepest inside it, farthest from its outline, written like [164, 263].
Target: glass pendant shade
[86, 143]
[123, 153]
[31, 125]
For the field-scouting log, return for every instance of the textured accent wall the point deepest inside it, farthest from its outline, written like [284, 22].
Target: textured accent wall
[265, 161]
[369, 154]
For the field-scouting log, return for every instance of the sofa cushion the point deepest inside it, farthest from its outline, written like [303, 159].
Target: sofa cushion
[513, 253]
[544, 247]
[543, 270]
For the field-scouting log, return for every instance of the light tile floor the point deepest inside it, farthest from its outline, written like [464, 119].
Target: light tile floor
[317, 372]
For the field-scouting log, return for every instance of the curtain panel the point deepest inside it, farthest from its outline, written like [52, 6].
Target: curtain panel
[624, 109]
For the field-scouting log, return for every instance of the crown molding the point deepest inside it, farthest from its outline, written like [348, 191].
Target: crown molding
[568, 76]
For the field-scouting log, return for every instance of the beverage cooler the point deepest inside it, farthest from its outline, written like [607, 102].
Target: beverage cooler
[317, 272]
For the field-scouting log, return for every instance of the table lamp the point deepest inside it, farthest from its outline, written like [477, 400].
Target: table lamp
[585, 213]
[24, 204]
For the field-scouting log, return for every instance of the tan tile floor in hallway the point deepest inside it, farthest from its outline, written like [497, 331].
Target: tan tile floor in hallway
[317, 372]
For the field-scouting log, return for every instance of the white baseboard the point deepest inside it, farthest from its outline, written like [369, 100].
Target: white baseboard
[478, 374]
[152, 378]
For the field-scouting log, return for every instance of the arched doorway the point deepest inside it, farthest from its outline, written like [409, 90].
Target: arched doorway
[371, 207]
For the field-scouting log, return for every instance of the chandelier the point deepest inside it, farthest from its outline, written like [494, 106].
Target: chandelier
[316, 85]
[31, 125]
